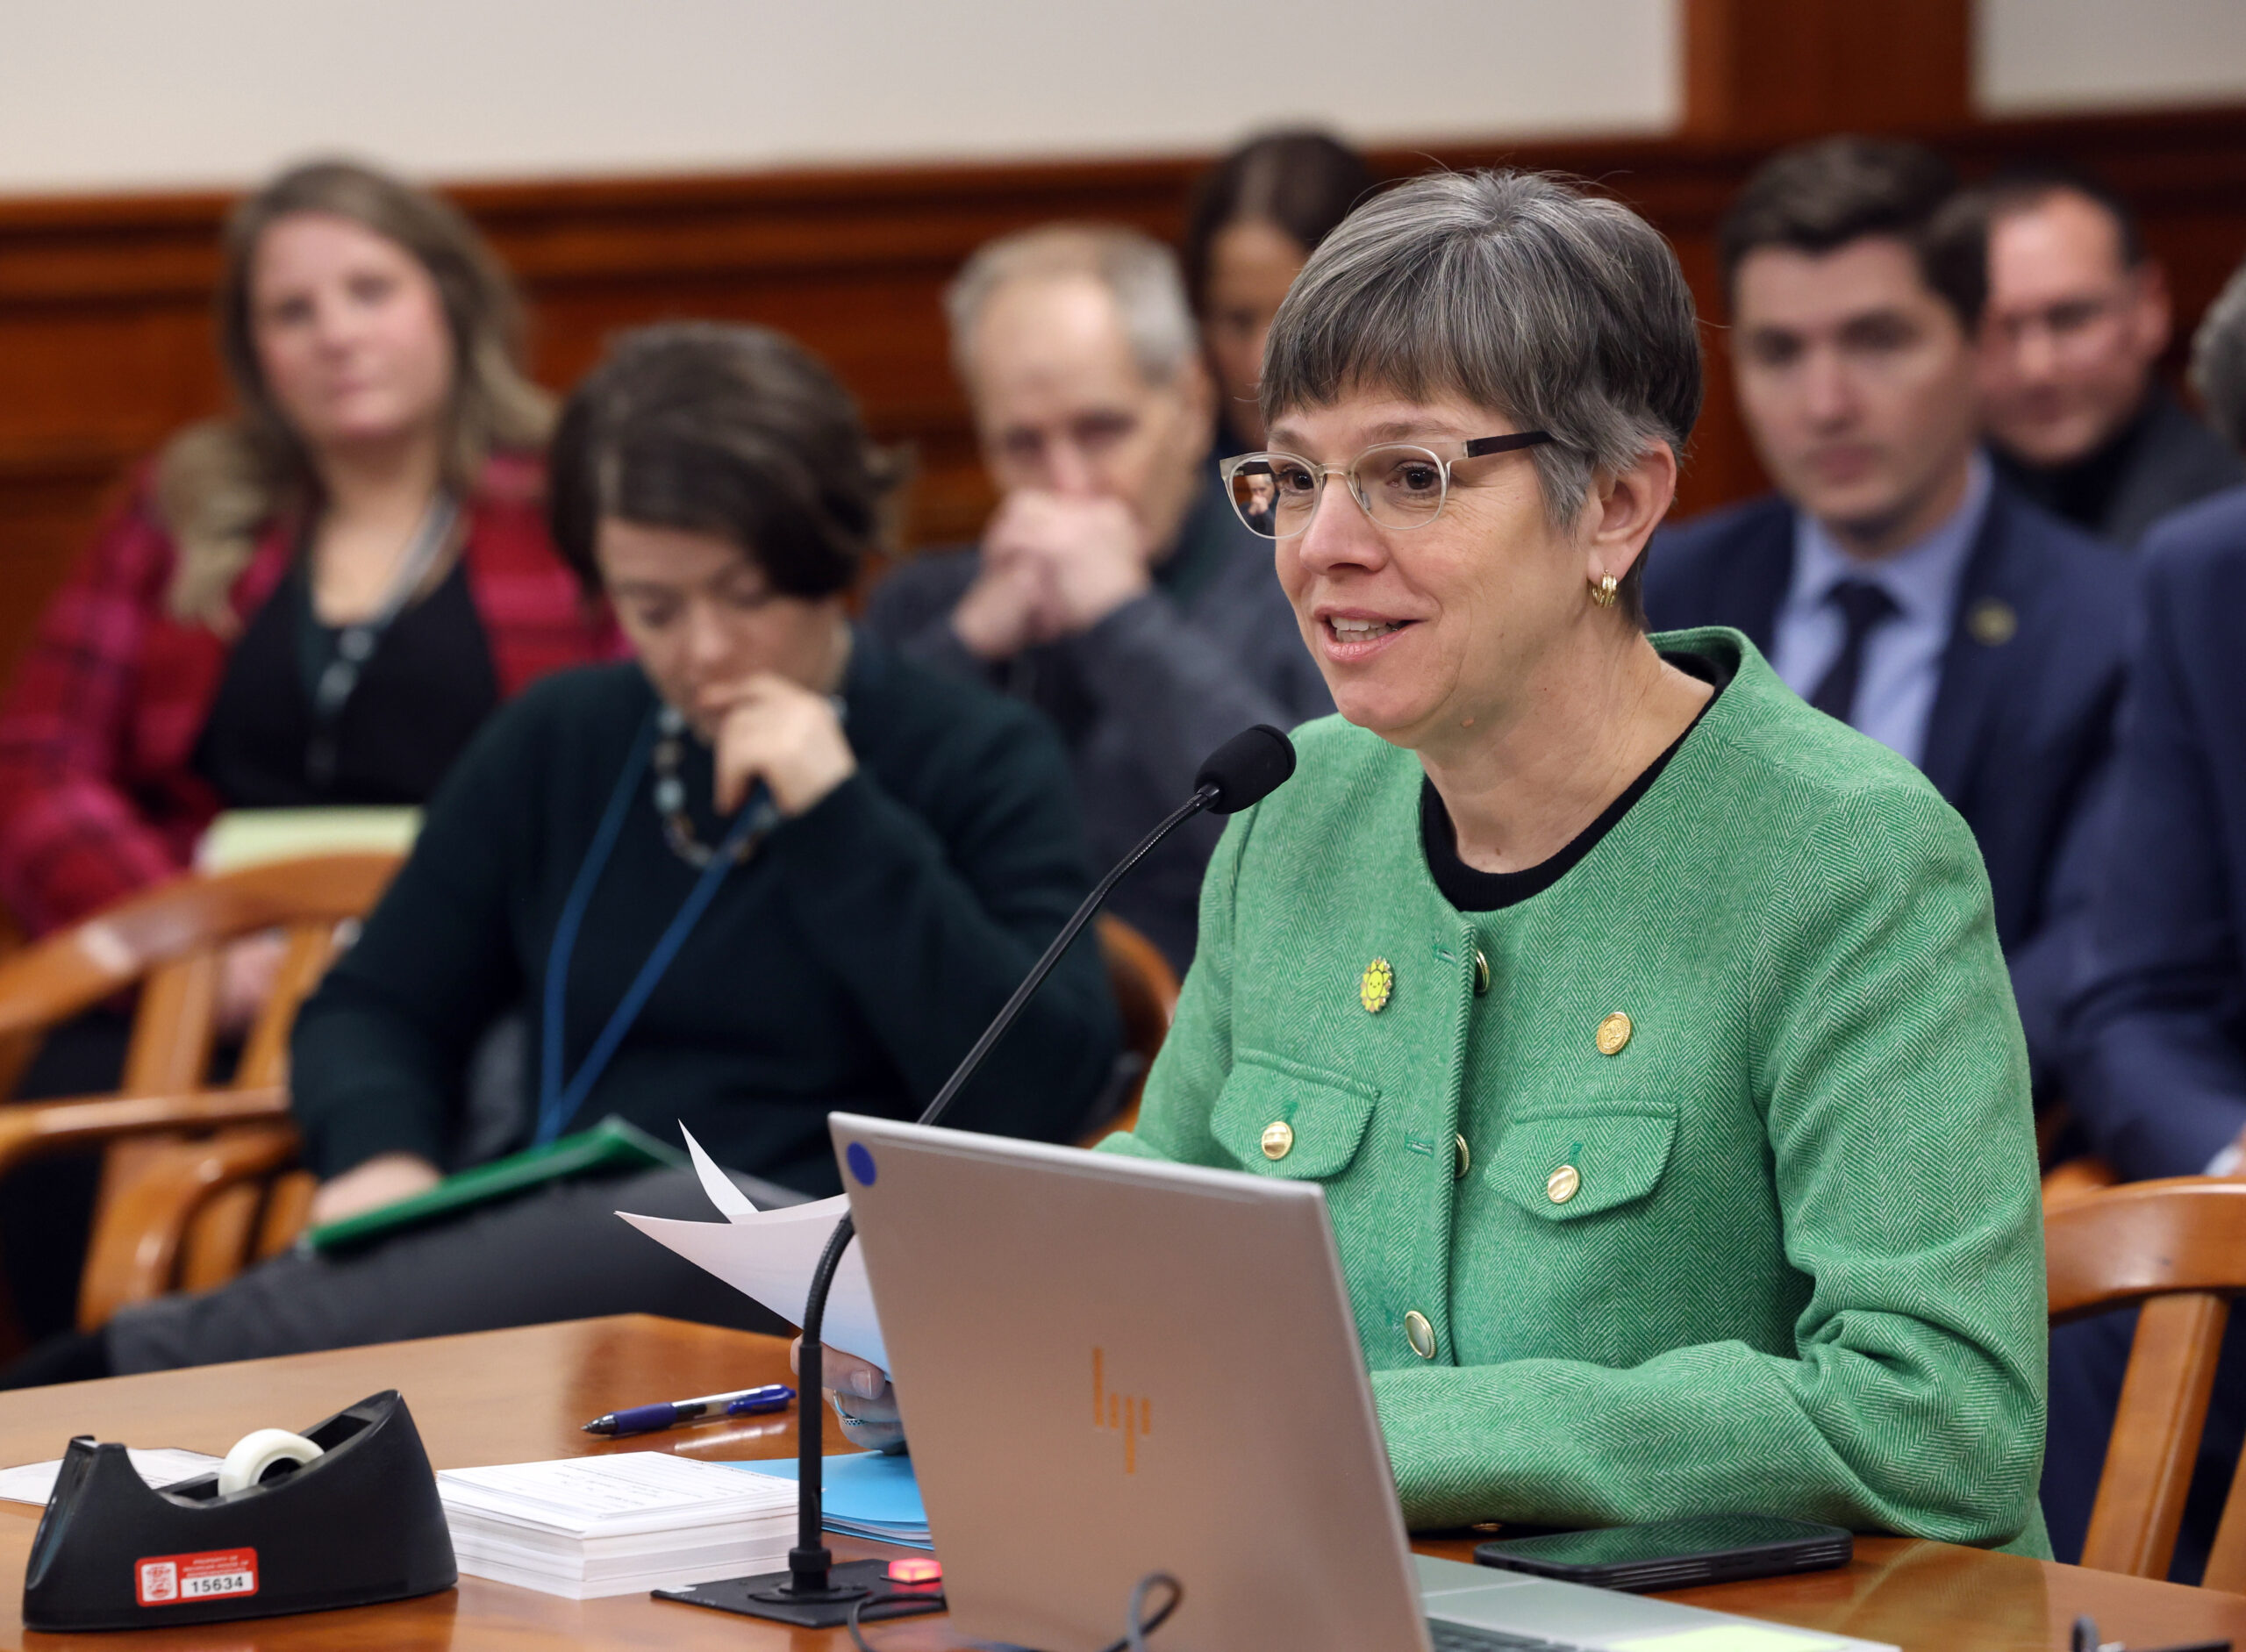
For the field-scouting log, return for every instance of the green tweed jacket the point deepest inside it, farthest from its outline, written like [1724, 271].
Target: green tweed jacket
[1772, 1244]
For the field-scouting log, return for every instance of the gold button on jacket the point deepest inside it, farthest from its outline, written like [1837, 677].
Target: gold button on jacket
[1278, 1139]
[1614, 1033]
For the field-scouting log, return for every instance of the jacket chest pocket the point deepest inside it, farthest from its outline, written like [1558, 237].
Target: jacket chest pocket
[1283, 1118]
[1561, 1164]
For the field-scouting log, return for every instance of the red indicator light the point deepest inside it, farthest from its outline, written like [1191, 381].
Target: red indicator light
[916, 1572]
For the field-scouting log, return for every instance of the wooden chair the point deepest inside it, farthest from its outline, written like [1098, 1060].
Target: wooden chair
[185, 1194]
[2178, 1248]
[1146, 992]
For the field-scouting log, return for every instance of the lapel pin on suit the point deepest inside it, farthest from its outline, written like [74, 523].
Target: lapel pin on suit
[1992, 622]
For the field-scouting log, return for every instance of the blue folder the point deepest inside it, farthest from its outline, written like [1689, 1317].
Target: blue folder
[868, 1494]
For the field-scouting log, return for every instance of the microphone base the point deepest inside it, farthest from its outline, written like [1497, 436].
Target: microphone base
[771, 1596]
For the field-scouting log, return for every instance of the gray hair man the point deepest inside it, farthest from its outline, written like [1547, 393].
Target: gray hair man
[1113, 589]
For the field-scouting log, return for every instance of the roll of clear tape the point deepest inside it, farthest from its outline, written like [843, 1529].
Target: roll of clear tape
[255, 1452]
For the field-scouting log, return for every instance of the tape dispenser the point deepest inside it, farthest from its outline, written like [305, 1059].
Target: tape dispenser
[344, 1514]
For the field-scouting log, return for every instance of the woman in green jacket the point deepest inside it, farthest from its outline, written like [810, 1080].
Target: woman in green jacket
[1646, 1028]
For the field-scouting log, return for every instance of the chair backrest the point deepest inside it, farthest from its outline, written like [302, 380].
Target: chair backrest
[1146, 994]
[2178, 1249]
[168, 942]
[179, 1209]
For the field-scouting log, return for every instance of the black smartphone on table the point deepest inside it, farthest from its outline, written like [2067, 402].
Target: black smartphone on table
[1699, 1549]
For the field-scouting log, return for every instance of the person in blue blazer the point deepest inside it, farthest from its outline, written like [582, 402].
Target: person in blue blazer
[1892, 580]
[2156, 1033]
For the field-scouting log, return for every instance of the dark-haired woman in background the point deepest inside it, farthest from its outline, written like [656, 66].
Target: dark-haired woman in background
[1255, 219]
[315, 601]
[883, 852]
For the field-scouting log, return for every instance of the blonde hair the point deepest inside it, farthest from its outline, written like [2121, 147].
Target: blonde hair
[219, 483]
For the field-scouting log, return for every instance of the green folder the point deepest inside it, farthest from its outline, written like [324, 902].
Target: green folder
[610, 1147]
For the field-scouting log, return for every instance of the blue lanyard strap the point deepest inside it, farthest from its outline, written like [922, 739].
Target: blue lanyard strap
[557, 1103]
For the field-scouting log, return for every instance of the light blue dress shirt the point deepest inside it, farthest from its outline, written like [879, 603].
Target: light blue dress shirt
[1902, 659]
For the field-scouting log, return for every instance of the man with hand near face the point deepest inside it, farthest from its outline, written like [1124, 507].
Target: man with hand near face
[1893, 581]
[1114, 588]
[2078, 317]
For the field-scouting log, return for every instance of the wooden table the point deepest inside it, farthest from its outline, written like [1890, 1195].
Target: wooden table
[519, 1396]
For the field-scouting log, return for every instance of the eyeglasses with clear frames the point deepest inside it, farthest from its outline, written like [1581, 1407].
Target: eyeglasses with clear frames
[1397, 484]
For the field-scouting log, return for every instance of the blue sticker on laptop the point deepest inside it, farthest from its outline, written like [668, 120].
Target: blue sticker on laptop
[860, 1162]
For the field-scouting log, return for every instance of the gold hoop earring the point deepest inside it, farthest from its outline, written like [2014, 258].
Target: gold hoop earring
[1602, 591]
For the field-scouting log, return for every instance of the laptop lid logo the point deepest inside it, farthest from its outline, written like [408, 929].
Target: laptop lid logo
[1115, 1413]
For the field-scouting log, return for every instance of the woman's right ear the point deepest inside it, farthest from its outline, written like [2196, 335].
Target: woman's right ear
[1628, 506]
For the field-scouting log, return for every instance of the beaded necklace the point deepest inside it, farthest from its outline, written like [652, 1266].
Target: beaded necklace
[670, 800]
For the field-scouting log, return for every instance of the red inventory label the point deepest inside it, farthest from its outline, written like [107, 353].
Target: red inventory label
[173, 1580]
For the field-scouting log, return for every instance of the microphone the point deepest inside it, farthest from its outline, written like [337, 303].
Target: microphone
[1244, 770]
[1241, 772]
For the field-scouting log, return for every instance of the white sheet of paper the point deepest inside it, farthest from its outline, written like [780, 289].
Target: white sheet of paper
[159, 1465]
[770, 1256]
[731, 1203]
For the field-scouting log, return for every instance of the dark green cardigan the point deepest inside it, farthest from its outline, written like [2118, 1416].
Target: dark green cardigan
[849, 965]
[1797, 1264]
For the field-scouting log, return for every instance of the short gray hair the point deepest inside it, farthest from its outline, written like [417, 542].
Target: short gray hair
[1514, 291]
[2219, 360]
[1138, 271]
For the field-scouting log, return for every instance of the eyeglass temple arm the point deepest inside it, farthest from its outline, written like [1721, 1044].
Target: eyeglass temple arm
[1484, 446]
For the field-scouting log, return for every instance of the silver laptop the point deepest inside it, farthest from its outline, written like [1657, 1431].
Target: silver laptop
[1109, 1367]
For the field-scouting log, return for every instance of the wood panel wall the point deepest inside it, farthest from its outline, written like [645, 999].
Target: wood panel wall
[105, 340]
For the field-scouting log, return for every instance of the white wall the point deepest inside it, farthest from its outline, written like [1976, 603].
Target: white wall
[2047, 56]
[101, 94]
[134, 94]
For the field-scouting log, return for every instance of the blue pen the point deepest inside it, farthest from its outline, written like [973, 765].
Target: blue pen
[647, 1419]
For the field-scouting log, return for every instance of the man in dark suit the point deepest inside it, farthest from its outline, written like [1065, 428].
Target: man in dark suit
[2077, 319]
[1893, 582]
[2156, 1036]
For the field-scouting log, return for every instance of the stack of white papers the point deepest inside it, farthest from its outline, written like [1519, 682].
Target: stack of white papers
[616, 1525]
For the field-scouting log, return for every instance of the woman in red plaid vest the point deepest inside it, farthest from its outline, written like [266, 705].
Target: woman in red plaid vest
[316, 600]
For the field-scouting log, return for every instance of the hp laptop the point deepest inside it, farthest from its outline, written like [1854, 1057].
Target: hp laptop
[1109, 1367]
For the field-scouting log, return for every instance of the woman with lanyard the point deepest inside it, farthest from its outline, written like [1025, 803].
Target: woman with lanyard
[1646, 1029]
[765, 870]
[314, 601]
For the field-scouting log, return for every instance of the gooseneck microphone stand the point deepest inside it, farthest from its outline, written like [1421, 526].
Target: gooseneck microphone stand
[1243, 771]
